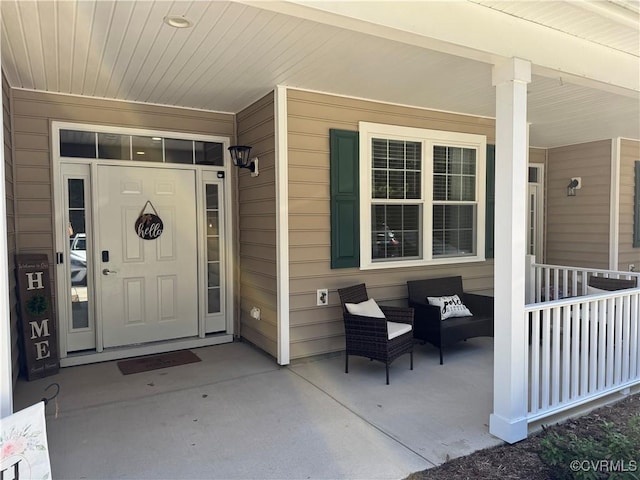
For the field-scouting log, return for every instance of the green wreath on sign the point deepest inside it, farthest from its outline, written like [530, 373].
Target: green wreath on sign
[37, 305]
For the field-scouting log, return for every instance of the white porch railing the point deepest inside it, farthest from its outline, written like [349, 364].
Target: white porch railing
[581, 347]
[552, 282]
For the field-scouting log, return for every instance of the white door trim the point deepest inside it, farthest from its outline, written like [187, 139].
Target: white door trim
[99, 354]
[539, 241]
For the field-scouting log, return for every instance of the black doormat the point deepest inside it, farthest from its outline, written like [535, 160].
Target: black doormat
[154, 362]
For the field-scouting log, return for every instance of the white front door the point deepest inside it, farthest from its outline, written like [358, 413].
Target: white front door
[148, 288]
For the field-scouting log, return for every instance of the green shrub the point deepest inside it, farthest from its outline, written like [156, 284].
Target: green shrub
[609, 453]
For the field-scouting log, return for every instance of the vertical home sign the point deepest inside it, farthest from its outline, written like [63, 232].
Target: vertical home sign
[40, 342]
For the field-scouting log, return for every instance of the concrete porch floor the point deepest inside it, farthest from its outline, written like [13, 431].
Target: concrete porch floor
[238, 415]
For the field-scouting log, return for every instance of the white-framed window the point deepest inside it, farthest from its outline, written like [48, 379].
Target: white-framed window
[422, 196]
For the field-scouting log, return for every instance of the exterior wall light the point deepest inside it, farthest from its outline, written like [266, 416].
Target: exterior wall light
[574, 184]
[241, 156]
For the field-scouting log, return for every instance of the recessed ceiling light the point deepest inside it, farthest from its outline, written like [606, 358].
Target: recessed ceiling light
[178, 21]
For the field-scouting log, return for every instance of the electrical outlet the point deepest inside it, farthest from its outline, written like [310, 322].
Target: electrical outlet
[322, 297]
[255, 313]
[632, 267]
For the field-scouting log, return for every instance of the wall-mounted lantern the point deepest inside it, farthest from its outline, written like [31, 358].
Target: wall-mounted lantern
[574, 185]
[241, 156]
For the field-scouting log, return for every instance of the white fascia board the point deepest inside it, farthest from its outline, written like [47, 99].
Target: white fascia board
[487, 36]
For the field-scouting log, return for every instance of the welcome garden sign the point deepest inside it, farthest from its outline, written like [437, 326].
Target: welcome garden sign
[37, 315]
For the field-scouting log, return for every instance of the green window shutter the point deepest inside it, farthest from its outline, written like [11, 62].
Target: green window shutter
[345, 216]
[491, 202]
[636, 206]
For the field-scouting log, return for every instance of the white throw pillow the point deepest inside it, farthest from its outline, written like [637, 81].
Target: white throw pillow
[450, 306]
[367, 309]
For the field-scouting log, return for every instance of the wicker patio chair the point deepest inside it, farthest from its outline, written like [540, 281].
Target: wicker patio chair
[429, 325]
[369, 336]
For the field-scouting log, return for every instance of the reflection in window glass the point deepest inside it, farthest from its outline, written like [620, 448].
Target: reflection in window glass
[76, 193]
[212, 223]
[213, 274]
[396, 169]
[454, 180]
[78, 254]
[395, 232]
[78, 144]
[114, 147]
[147, 149]
[423, 195]
[178, 151]
[454, 173]
[76, 218]
[212, 197]
[454, 229]
[213, 249]
[213, 300]
[209, 153]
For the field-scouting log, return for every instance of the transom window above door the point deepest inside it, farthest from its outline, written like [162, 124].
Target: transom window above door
[141, 148]
[422, 196]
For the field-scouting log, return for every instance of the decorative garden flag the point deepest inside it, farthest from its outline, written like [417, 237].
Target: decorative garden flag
[24, 454]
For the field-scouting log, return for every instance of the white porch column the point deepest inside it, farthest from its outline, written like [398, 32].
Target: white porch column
[508, 420]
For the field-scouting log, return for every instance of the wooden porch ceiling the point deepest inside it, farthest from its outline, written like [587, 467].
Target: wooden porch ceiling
[237, 52]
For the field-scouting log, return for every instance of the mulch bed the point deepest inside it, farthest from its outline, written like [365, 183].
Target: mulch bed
[521, 460]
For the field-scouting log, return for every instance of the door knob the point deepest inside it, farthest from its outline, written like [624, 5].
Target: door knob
[106, 271]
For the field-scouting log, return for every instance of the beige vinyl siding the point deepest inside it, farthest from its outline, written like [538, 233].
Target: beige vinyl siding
[257, 227]
[538, 155]
[317, 330]
[33, 113]
[578, 227]
[11, 226]
[629, 154]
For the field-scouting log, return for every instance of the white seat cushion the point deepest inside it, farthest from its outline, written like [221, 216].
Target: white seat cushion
[395, 329]
[594, 291]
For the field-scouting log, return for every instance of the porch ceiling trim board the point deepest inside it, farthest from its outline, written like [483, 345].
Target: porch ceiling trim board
[282, 220]
[435, 25]
[509, 418]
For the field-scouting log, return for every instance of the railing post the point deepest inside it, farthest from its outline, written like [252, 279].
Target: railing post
[530, 279]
